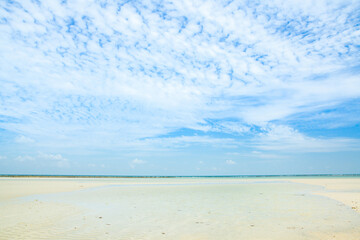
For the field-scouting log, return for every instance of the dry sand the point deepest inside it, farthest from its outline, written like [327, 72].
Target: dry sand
[345, 190]
[205, 208]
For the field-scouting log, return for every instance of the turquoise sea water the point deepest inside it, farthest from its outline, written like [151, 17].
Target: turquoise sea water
[213, 176]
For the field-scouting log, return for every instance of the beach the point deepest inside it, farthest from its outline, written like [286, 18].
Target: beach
[180, 208]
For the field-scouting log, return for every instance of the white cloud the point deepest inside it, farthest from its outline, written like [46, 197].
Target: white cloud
[284, 138]
[23, 139]
[230, 162]
[230, 127]
[3, 157]
[50, 156]
[94, 165]
[25, 158]
[136, 162]
[186, 141]
[129, 74]
[60, 161]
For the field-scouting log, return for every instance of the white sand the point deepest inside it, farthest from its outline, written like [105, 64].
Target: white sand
[345, 190]
[175, 209]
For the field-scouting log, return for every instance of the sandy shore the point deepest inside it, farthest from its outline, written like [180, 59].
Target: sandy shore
[19, 187]
[345, 190]
[187, 208]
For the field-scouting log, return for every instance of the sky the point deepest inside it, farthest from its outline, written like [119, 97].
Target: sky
[179, 87]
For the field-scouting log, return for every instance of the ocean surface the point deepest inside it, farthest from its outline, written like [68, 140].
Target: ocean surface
[186, 176]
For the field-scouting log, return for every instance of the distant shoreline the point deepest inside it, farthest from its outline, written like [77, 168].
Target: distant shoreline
[133, 176]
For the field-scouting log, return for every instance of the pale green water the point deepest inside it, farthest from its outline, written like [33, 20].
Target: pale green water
[205, 208]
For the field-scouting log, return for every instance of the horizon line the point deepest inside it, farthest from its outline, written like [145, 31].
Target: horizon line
[177, 176]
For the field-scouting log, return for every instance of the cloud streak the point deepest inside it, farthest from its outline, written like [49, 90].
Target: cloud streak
[136, 74]
[45, 159]
[283, 138]
[136, 162]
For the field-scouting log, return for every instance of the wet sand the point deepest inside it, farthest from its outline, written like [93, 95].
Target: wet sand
[179, 208]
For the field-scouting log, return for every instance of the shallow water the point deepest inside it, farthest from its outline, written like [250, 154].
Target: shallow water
[193, 209]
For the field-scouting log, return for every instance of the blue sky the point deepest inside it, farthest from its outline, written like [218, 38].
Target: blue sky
[179, 88]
